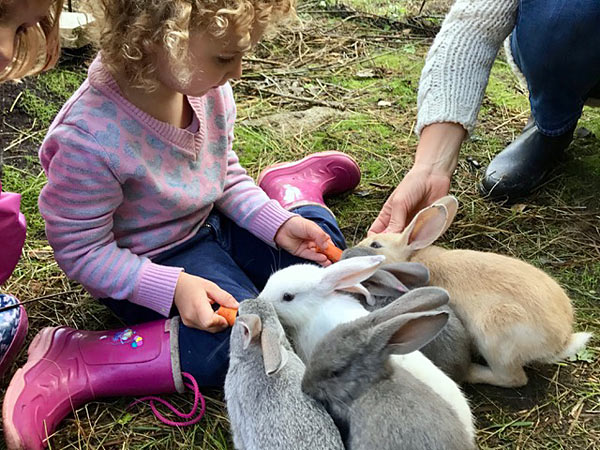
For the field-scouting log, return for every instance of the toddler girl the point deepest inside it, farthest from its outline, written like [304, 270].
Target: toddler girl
[148, 207]
[28, 45]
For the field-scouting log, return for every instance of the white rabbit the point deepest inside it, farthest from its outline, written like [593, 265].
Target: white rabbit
[514, 313]
[311, 301]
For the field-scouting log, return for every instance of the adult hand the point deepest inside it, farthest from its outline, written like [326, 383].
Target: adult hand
[419, 188]
[194, 297]
[427, 181]
[301, 236]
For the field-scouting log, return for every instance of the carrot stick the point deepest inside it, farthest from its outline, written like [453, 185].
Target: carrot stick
[228, 313]
[333, 253]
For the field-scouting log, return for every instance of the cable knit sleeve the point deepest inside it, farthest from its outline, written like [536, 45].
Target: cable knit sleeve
[458, 64]
[242, 200]
[78, 205]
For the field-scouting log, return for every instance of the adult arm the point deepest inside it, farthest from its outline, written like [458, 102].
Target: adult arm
[426, 181]
[451, 90]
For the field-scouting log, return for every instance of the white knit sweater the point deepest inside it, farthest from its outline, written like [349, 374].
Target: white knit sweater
[458, 64]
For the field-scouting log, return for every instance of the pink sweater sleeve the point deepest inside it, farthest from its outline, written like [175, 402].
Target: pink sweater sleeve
[242, 200]
[78, 204]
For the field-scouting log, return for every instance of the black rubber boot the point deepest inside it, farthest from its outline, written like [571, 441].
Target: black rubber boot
[595, 92]
[522, 166]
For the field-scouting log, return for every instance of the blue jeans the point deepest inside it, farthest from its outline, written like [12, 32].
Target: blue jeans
[238, 262]
[556, 44]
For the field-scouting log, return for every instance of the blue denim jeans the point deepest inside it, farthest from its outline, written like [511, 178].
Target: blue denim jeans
[238, 262]
[556, 44]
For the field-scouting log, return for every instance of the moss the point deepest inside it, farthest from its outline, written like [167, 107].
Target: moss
[254, 145]
[61, 83]
[502, 93]
[29, 186]
[38, 108]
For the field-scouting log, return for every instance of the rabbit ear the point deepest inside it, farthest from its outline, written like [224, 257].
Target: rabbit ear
[451, 204]
[409, 332]
[275, 356]
[424, 299]
[426, 227]
[384, 284]
[251, 325]
[361, 290]
[348, 272]
[410, 274]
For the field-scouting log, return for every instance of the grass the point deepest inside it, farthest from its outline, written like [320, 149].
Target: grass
[350, 65]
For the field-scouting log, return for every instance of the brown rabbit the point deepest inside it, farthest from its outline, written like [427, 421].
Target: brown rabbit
[514, 312]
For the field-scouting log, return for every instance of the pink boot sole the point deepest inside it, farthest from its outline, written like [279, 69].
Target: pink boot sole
[16, 344]
[37, 351]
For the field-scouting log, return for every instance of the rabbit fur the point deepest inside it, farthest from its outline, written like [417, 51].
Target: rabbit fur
[451, 348]
[311, 301]
[378, 405]
[266, 407]
[514, 312]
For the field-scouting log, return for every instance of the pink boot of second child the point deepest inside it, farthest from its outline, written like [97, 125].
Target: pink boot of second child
[67, 368]
[307, 181]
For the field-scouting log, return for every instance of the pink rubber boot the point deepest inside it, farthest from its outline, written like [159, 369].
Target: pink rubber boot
[67, 368]
[307, 181]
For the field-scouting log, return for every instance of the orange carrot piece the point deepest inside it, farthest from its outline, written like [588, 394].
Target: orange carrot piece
[228, 313]
[333, 253]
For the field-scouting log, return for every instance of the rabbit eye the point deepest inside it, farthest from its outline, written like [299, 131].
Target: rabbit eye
[288, 297]
[336, 373]
[375, 244]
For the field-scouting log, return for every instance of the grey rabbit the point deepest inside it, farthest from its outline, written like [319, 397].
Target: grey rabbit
[377, 405]
[390, 280]
[266, 407]
[451, 350]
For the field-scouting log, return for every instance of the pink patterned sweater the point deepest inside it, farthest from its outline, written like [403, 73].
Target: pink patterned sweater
[123, 187]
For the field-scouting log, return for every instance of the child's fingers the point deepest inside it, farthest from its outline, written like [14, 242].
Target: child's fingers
[218, 295]
[209, 320]
[317, 234]
[312, 254]
[219, 323]
[226, 299]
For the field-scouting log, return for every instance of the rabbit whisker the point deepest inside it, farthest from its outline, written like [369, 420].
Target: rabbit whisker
[212, 354]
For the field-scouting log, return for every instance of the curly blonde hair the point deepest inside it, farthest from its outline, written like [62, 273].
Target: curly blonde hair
[37, 48]
[130, 31]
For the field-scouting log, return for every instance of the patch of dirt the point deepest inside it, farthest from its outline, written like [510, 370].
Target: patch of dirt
[289, 124]
[20, 132]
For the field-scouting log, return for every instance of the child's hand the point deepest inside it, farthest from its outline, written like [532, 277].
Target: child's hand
[300, 237]
[194, 297]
